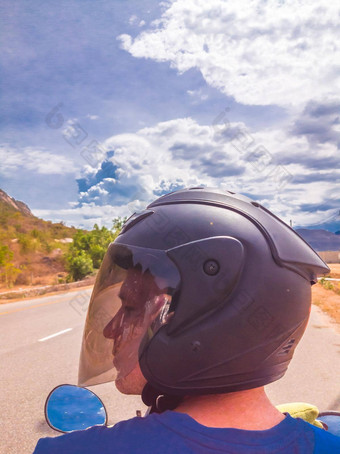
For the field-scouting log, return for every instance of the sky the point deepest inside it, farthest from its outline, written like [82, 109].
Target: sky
[107, 105]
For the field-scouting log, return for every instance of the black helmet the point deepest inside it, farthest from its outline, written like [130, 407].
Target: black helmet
[207, 289]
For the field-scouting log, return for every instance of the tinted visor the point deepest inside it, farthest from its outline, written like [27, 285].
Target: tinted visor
[131, 299]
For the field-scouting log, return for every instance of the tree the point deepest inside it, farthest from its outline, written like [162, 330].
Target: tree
[6, 255]
[118, 225]
[97, 253]
[90, 247]
[79, 266]
[10, 272]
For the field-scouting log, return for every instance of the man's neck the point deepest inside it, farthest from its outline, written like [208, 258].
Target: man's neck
[247, 410]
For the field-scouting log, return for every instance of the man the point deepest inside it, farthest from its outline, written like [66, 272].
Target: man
[199, 303]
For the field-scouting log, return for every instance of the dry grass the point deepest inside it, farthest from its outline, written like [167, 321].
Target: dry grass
[335, 270]
[327, 299]
[37, 268]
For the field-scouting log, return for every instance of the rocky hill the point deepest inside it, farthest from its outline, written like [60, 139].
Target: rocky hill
[16, 217]
[8, 202]
[31, 249]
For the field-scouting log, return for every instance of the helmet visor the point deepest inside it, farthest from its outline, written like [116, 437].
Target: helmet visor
[131, 299]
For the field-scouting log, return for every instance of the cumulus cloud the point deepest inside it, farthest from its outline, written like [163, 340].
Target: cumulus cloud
[172, 154]
[180, 153]
[34, 160]
[84, 216]
[258, 52]
[319, 123]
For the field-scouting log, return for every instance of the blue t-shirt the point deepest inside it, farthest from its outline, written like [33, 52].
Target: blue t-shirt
[172, 432]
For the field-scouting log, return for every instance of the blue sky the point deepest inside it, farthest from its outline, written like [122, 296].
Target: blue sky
[108, 104]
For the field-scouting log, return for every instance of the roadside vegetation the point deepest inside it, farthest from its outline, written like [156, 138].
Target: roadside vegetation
[88, 249]
[326, 294]
[38, 252]
[334, 286]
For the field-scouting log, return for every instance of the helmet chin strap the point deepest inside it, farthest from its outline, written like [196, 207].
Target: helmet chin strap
[158, 401]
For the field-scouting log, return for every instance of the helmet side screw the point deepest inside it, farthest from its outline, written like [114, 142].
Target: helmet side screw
[211, 267]
[195, 346]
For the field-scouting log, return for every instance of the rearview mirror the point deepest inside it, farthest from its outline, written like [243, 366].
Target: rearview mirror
[70, 407]
[332, 421]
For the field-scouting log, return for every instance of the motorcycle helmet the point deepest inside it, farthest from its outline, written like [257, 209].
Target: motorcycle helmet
[206, 289]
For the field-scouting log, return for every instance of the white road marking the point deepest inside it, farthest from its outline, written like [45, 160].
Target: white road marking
[54, 335]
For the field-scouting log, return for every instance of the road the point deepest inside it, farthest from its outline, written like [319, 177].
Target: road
[39, 349]
[32, 366]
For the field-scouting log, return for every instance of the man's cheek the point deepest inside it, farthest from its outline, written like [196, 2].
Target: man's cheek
[133, 383]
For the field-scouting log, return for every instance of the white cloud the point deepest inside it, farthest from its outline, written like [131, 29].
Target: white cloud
[34, 160]
[198, 94]
[85, 216]
[273, 52]
[276, 168]
[283, 53]
[133, 19]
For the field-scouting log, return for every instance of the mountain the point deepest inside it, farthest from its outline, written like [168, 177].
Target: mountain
[31, 249]
[16, 218]
[8, 202]
[321, 240]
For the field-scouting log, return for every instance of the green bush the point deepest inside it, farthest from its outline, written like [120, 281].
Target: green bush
[27, 244]
[6, 255]
[330, 285]
[10, 273]
[46, 246]
[88, 249]
[79, 266]
[97, 253]
[40, 235]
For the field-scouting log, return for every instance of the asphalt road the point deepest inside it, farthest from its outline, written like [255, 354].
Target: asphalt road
[39, 349]
[32, 363]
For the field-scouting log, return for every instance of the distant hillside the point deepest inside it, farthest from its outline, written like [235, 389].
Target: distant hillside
[320, 240]
[16, 218]
[8, 202]
[34, 252]
[31, 249]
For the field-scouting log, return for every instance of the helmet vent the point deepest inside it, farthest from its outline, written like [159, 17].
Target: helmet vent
[287, 347]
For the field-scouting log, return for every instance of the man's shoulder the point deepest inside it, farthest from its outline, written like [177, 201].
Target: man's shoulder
[325, 442]
[131, 433]
[170, 432]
